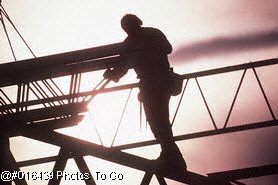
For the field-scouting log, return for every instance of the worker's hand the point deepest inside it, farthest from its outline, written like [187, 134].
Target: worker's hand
[110, 75]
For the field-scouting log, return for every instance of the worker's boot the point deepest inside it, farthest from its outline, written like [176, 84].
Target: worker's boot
[171, 162]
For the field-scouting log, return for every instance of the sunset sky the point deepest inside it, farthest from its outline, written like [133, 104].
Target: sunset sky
[204, 35]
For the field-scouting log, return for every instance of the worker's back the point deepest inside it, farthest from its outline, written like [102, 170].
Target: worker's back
[151, 57]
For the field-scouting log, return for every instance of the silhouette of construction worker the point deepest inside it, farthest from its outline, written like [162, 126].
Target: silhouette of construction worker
[149, 47]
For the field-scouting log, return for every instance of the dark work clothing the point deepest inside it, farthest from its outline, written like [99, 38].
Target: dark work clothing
[147, 51]
[156, 106]
[149, 48]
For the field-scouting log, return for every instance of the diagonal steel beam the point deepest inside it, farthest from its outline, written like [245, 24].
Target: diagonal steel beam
[146, 179]
[116, 156]
[59, 166]
[84, 169]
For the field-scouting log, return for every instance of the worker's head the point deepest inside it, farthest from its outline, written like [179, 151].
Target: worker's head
[131, 24]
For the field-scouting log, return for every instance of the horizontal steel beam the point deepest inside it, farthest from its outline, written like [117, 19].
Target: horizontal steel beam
[86, 60]
[246, 173]
[36, 161]
[43, 113]
[63, 64]
[66, 58]
[204, 134]
[66, 97]
[12, 130]
[238, 67]
[127, 86]
[21, 75]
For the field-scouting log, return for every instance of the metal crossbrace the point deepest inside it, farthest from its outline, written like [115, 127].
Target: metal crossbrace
[3, 103]
[35, 84]
[75, 83]
[178, 106]
[264, 94]
[84, 169]
[206, 104]
[121, 118]
[6, 96]
[148, 177]
[59, 166]
[161, 180]
[234, 99]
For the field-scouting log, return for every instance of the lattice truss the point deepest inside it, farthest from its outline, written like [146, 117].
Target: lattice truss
[33, 104]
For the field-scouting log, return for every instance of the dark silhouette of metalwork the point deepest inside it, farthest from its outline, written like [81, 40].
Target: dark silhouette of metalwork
[52, 109]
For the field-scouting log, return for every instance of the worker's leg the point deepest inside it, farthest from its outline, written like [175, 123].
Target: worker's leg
[157, 113]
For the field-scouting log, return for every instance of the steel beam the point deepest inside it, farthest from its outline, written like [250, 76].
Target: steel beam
[13, 130]
[238, 67]
[116, 156]
[176, 138]
[246, 173]
[204, 134]
[89, 60]
[44, 113]
[68, 96]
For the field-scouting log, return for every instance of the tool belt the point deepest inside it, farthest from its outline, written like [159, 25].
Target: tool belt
[172, 85]
[176, 83]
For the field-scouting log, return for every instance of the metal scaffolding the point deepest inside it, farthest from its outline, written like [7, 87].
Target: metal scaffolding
[58, 111]
[51, 109]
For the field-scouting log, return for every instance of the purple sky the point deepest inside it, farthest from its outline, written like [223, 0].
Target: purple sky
[204, 34]
[223, 45]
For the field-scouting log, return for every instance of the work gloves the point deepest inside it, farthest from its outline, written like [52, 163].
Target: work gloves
[111, 75]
